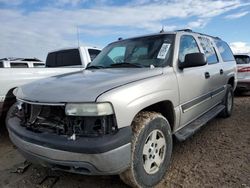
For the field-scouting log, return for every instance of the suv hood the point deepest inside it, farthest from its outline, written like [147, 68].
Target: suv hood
[82, 86]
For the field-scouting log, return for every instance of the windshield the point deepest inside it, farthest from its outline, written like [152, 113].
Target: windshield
[137, 52]
[242, 59]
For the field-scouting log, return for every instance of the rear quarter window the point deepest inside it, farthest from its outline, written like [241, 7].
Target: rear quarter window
[225, 51]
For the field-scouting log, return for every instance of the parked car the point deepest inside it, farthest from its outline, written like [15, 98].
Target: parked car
[119, 116]
[21, 63]
[15, 72]
[243, 76]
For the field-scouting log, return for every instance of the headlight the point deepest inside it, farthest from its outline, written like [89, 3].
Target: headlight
[88, 109]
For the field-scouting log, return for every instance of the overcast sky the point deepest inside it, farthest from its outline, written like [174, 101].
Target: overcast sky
[31, 28]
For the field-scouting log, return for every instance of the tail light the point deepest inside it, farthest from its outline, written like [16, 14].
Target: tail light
[244, 69]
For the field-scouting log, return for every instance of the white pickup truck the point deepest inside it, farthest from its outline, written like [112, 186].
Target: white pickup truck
[57, 62]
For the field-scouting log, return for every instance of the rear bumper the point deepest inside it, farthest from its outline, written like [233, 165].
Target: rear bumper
[243, 85]
[111, 159]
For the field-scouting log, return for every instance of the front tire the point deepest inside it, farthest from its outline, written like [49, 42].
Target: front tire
[151, 150]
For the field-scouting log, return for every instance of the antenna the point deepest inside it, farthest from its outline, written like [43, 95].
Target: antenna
[77, 31]
[162, 29]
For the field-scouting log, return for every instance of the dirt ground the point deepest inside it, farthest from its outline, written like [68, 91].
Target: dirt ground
[217, 156]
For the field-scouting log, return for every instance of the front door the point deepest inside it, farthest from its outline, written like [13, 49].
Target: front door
[193, 82]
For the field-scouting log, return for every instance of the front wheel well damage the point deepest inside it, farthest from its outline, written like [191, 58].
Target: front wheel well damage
[165, 108]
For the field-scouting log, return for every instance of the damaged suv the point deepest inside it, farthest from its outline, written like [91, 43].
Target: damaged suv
[119, 116]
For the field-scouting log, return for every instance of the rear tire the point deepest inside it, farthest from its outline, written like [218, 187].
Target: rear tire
[151, 150]
[228, 101]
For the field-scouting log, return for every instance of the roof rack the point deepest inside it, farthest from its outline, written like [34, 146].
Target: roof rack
[186, 30]
[190, 30]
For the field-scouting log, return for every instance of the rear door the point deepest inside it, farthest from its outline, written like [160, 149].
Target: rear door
[193, 85]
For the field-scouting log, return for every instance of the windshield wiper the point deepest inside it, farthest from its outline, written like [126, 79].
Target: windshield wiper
[126, 64]
[95, 67]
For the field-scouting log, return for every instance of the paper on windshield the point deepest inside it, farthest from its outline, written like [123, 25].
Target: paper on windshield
[163, 51]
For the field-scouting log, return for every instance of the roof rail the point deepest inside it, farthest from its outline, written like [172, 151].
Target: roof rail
[190, 30]
[186, 30]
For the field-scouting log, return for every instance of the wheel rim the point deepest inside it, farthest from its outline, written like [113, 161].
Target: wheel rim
[229, 101]
[154, 151]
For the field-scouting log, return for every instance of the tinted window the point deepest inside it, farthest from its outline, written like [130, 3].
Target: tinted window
[1, 64]
[242, 59]
[38, 65]
[93, 53]
[18, 65]
[208, 50]
[224, 50]
[63, 58]
[188, 45]
[51, 60]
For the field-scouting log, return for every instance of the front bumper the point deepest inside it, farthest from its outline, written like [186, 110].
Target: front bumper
[93, 156]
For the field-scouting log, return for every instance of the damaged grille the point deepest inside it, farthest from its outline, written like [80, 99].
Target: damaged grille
[52, 119]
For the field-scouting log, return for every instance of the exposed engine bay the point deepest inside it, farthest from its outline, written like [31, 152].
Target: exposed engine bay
[52, 119]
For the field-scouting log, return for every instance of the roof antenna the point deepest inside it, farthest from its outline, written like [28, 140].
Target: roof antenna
[162, 29]
[77, 31]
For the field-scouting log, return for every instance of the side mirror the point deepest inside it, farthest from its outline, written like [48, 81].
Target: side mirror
[193, 60]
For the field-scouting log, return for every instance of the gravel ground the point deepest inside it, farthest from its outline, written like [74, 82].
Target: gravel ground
[217, 156]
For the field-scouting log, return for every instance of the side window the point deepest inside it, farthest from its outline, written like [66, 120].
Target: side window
[224, 50]
[117, 54]
[19, 65]
[208, 50]
[93, 53]
[188, 45]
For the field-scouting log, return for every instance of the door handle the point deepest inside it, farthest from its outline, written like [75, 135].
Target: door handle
[207, 75]
[221, 71]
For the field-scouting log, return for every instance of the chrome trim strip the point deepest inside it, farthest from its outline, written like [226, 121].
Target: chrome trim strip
[42, 103]
[199, 100]
[214, 95]
[197, 104]
[196, 117]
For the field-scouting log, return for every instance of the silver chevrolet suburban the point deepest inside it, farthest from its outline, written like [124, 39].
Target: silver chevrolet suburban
[119, 116]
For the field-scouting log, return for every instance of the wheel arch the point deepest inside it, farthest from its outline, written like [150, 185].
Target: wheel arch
[166, 108]
[9, 100]
[231, 81]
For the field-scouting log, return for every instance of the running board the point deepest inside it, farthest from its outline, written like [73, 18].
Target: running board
[194, 126]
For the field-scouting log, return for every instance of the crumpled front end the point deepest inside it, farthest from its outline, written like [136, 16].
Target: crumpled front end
[92, 145]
